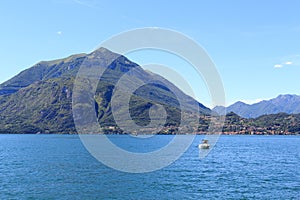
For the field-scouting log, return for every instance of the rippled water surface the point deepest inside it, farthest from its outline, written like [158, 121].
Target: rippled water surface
[239, 167]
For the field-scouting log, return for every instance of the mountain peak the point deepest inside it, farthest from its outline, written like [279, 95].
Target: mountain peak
[103, 49]
[287, 96]
[104, 52]
[241, 103]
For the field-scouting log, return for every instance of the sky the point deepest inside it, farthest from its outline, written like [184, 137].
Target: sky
[255, 45]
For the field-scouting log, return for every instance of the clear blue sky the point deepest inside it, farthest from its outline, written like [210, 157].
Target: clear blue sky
[254, 44]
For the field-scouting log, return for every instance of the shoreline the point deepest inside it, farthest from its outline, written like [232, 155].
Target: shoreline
[149, 134]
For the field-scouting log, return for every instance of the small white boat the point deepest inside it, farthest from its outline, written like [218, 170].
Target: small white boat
[204, 145]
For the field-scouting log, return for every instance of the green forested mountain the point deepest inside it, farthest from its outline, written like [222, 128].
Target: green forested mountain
[273, 124]
[39, 99]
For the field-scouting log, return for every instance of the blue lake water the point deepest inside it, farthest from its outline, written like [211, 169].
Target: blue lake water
[239, 167]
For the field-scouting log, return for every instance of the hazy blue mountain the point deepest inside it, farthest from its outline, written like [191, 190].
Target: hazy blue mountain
[289, 104]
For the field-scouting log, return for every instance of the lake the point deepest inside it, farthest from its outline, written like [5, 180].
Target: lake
[239, 167]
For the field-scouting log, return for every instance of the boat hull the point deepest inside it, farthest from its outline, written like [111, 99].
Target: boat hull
[203, 146]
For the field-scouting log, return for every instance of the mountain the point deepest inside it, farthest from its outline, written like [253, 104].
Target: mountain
[289, 104]
[272, 124]
[39, 99]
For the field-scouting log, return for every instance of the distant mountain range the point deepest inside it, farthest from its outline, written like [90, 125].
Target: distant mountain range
[289, 104]
[39, 99]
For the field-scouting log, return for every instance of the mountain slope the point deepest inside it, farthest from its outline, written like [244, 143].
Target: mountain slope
[289, 104]
[39, 99]
[272, 124]
[43, 71]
